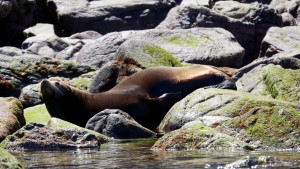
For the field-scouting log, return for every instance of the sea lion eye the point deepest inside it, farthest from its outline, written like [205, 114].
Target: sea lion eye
[63, 89]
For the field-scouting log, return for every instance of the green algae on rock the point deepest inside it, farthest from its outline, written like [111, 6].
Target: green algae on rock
[38, 114]
[264, 121]
[198, 136]
[9, 161]
[272, 81]
[11, 116]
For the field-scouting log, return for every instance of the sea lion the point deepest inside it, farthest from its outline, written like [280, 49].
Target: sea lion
[146, 95]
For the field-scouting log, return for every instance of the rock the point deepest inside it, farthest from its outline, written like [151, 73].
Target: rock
[15, 16]
[31, 95]
[217, 46]
[107, 15]
[280, 39]
[234, 9]
[287, 60]
[195, 2]
[40, 29]
[7, 160]
[11, 116]
[37, 114]
[86, 35]
[118, 124]
[272, 81]
[19, 71]
[10, 51]
[259, 120]
[145, 54]
[195, 137]
[55, 123]
[36, 136]
[288, 20]
[51, 46]
[248, 31]
[111, 74]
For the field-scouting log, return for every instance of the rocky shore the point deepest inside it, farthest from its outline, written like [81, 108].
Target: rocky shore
[93, 45]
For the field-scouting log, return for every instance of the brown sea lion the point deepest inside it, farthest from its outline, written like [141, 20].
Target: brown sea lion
[146, 95]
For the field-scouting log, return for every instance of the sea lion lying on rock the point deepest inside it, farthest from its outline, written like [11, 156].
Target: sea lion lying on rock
[146, 95]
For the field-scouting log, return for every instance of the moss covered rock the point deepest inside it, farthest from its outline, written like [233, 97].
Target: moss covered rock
[197, 136]
[11, 116]
[9, 161]
[37, 114]
[263, 121]
[146, 53]
[272, 81]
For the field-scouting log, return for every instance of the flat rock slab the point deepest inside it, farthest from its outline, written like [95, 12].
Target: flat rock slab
[280, 39]
[109, 15]
[36, 136]
[11, 116]
[257, 119]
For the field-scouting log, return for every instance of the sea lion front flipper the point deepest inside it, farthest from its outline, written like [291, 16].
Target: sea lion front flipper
[168, 99]
[224, 85]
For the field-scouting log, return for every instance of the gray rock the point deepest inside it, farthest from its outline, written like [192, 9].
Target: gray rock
[30, 95]
[280, 39]
[11, 115]
[234, 9]
[118, 124]
[288, 19]
[86, 35]
[184, 44]
[249, 31]
[10, 51]
[34, 136]
[107, 15]
[38, 29]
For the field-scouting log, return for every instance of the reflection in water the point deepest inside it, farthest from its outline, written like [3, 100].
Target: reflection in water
[137, 154]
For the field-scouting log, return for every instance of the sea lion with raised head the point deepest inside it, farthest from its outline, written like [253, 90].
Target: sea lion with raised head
[146, 95]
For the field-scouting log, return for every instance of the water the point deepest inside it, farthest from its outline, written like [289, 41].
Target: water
[137, 154]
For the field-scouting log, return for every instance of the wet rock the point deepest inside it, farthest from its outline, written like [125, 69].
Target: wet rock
[9, 161]
[109, 16]
[184, 44]
[118, 124]
[259, 120]
[146, 54]
[11, 116]
[111, 74]
[36, 136]
[272, 81]
[234, 9]
[195, 137]
[19, 71]
[280, 39]
[249, 30]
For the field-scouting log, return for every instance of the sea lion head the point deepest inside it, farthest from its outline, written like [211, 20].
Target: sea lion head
[55, 95]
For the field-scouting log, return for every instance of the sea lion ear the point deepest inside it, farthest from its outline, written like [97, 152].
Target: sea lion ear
[64, 89]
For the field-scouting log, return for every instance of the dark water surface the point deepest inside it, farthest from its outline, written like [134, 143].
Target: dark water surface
[137, 154]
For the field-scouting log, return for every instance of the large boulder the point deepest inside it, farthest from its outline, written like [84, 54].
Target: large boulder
[277, 40]
[197, 136]
[11, 116]
[108, 15]
[19, 71]
[261, 121]
[234, 9]
[118, 124]
[249, 30]
[213, 46]
[272, 81]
